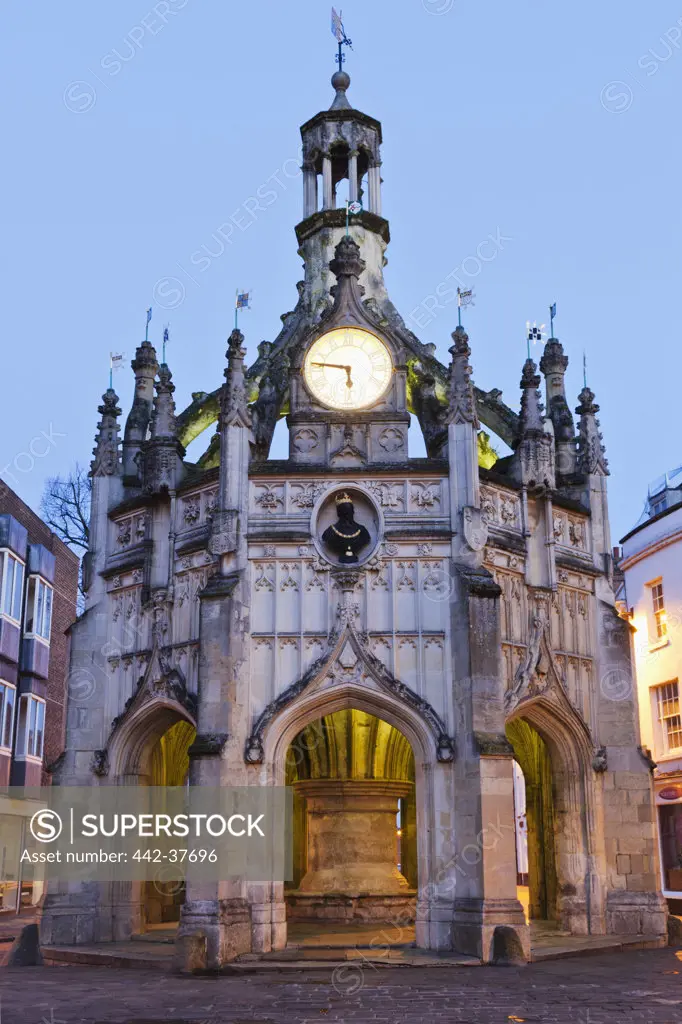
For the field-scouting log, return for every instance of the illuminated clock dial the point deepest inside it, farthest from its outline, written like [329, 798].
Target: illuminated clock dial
[348, 368]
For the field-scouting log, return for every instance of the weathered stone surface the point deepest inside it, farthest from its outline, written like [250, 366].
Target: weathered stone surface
[25, 951]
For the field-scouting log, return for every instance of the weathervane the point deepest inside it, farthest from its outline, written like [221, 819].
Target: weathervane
[166, 339]
[552, 314]
[464, 298]
[534, 334]
[339, 33]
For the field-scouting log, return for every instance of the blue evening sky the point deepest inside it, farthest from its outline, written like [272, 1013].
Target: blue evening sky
[133, 131]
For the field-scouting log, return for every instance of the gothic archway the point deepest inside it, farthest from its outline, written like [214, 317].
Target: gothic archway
[554, 749]
[150, 748]
[355, 859]
[433, 793]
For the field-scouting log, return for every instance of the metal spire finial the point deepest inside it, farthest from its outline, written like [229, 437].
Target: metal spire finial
[339, 33]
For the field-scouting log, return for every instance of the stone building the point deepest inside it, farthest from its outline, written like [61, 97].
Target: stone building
[651, 595]
[383, 633]
[38, 592]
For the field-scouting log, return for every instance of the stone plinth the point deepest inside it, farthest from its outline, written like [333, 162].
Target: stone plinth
[351, 851]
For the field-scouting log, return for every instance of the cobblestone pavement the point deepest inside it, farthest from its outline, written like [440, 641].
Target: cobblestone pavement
[643, 986]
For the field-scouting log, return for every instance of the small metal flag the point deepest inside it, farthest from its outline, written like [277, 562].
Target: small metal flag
[115, 363]
[337, 26]
[241, 301]
[464, 298]
[534, 333]
[166, 339]
[552, 314]
[149, 320]
[354, 207]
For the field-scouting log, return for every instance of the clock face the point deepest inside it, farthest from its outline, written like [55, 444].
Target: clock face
[348, 368]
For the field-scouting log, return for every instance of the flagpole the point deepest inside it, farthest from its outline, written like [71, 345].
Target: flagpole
[584, 369]
[236, 310]
[551, 322]
[111, 373]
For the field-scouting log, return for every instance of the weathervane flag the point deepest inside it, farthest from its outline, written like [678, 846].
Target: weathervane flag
[149, 320]
[534, 333]
[552, 314]
[464, 298]
[339, 33]
[241, 301]
[115, 363]
[337, 26]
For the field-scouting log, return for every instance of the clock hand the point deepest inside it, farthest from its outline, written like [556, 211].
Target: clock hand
[338, 366]
[334, 366]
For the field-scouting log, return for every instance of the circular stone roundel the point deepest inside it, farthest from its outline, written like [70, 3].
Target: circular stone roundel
[346, 526]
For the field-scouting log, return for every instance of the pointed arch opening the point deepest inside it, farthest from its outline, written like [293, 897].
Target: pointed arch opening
[355, 829]
[151, 748]
[554, 752]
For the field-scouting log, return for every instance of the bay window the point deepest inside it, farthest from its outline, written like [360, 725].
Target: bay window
[31, 726]
[7, 696]
[11, 585]
[38, 619]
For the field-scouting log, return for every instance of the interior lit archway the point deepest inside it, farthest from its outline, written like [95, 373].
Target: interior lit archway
[554, 750]
[151, 749]
[355, 831]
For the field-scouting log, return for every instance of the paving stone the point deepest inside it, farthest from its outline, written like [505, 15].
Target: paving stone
[639, 987]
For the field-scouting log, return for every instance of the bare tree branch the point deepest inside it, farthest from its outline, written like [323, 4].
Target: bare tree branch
[65, 507]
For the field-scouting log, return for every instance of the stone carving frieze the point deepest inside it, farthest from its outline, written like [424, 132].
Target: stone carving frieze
[348, 658]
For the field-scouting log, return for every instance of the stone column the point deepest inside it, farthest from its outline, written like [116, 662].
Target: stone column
[352, 849]
[309, 190]
[353, 176]
[212, 929]
[327, 188]
[488, 918]
[375, 189]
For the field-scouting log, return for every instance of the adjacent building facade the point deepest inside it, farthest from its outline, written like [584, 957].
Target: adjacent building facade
[386, 634]
[38, 593]
[651, 597]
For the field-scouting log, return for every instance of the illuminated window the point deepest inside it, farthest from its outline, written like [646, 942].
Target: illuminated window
[11, 585]
[31, 727]
[38, 608]
[659, 609]
[7, 695]
[668, 714]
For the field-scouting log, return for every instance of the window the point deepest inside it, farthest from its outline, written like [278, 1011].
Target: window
[31, 726]
[7, 695]
[659, 609]
[38, 608]
[668, 715]
[658, 505]
[12, 585]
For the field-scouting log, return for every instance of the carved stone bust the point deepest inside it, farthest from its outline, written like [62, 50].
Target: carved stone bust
[346, 538]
